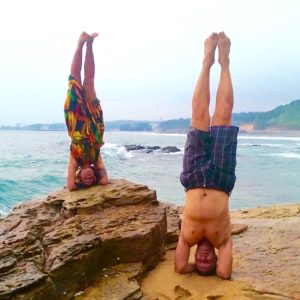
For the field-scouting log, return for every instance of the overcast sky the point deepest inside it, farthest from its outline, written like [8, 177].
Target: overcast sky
[148, 55]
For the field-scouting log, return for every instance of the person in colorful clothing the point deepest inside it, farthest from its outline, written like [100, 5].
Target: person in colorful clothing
[209, 171]
[84, 120]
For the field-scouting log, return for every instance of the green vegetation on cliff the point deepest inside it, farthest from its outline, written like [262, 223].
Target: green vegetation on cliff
[282, 117]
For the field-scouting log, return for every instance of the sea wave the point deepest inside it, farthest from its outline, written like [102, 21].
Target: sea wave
[272, 138]
[13, 190]
[268, 145]
[35, 169]
[6, 185]
[123, 153]
[291, 155]
[3, 210]
[116, 151]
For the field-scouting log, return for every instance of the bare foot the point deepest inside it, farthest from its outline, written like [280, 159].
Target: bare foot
[91, 39]
[84, 37]
[224, 49]
[210, 45]
[93, 35]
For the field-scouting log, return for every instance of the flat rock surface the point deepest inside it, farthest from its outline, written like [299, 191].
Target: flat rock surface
[267, 254]
[117, 282]
[266, 262]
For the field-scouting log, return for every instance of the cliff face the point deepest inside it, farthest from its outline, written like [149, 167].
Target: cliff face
[100, 243]
[58, 246]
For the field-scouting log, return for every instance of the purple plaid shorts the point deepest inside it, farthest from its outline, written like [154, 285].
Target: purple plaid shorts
[210, 158]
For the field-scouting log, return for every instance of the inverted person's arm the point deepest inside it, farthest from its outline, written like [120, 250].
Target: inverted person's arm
[224, 266]
[182, 254]
[100, 168]
[71, 177]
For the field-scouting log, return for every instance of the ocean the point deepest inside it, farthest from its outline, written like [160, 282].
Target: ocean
[34, 163]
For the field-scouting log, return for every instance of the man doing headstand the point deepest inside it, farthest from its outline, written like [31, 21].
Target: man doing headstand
[209, 171]
[84, 120]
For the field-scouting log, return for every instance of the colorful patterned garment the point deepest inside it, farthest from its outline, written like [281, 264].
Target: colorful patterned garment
[85, 125]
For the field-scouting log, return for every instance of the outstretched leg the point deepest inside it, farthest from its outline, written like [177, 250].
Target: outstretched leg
[89, 69]
[77, 58]
[201, 97]
[224, 102]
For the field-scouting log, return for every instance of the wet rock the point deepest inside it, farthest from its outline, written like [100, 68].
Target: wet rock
[153, 147]
[170, 149]
[146, 149]
[134, 147]
[149, 149]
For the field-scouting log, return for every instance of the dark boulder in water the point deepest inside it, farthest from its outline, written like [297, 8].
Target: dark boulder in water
[170, 149]
[144, 149]
[152, 147]
[134, 147]
[149, 149]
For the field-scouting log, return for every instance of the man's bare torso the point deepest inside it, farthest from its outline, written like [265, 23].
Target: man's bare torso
[206, 215]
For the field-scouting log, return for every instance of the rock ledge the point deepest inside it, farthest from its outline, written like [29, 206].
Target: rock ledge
[58, 246]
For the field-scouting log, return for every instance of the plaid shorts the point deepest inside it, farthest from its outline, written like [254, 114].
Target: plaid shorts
[210, 158]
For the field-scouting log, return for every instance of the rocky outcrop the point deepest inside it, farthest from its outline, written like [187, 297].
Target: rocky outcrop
[54, 248]
[170, 149]
[100, 243]
[150, 149]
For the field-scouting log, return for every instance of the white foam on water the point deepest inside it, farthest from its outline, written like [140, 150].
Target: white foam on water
[123, 153]
[115, 151]
[271, 138]
[291, 155]
[3, 211]
[261, 145]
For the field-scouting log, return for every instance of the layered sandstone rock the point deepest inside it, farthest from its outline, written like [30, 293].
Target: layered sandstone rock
[54, 248]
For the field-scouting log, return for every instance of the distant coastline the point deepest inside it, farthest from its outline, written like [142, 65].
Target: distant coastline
[284, 118]
[244, 128]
